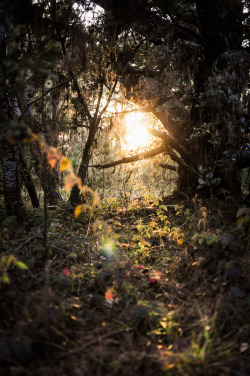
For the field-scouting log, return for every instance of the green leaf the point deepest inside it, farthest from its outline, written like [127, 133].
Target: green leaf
[5, 278]
[21, 265]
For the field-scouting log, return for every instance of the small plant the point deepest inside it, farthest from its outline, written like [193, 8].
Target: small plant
[6, 262]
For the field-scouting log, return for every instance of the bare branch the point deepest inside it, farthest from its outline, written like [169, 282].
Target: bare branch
[77, 126]
[134, 158]
[81, 97]
[170, 140]
[42, 96]
[181, 162]
[117, 114]
[142, 70]
[168, 166]
[162, 135]
[117, 78]
[99, 100]
[75, 82]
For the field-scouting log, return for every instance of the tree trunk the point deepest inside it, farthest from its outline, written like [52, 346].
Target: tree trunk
[75, 196]
[11, 182]
[53, 195]
[28, 181]
[9, 153]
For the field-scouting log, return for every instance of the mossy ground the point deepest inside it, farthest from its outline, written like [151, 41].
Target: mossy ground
[159, 289]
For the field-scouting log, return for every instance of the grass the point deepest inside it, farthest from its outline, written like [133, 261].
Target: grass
[146, 290]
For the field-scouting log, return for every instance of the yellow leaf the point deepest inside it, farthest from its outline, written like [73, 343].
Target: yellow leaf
[101, 226]
[78, 210]
[65, 164]
[82, 208]
[163, 324]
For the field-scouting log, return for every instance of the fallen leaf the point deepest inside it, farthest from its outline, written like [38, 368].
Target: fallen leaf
[66, 271]
[109, 294]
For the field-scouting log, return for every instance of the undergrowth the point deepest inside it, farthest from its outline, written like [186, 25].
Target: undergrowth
[153, 289]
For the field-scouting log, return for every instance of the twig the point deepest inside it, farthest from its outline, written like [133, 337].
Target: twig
[26, 241]
[168, 166]
[116, 114]
[42, 96]
[63, 250]
[97, 340]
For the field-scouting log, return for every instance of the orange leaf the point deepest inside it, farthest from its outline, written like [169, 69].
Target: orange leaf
[79, 182]
[65, 164]
[82, 208]
[84, 189]
[78, 210]
[95, 198]
[70, 181]
[52, 162]
[109, 294]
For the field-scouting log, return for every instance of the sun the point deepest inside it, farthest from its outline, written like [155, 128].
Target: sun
[137, 135]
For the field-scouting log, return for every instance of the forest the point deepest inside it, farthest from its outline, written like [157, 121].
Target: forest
[124, 188]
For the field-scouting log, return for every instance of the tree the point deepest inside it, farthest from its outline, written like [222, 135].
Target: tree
[192, 75]
[95, 84]
[186, 62]
[9, 152]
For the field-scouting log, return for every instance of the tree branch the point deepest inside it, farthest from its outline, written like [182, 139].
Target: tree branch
[99, 100]
[42, 96]
[170, 140]
[117, 114]
[134, 158]
[181, 162]
[168, 166]
[77, 126]
[75, 82]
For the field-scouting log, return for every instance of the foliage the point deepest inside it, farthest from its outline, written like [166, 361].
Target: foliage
[134, 283]
[5, 263]
[118, 282]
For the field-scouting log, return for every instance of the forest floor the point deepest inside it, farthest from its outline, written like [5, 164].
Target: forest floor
[152, 289]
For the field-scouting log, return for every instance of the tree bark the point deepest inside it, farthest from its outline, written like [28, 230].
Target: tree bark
[135, 158]
[28, 181]
[75, 196]
[53, 195]
[9, 153]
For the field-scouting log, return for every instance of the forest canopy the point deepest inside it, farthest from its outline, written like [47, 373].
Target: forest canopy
[73, 70]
